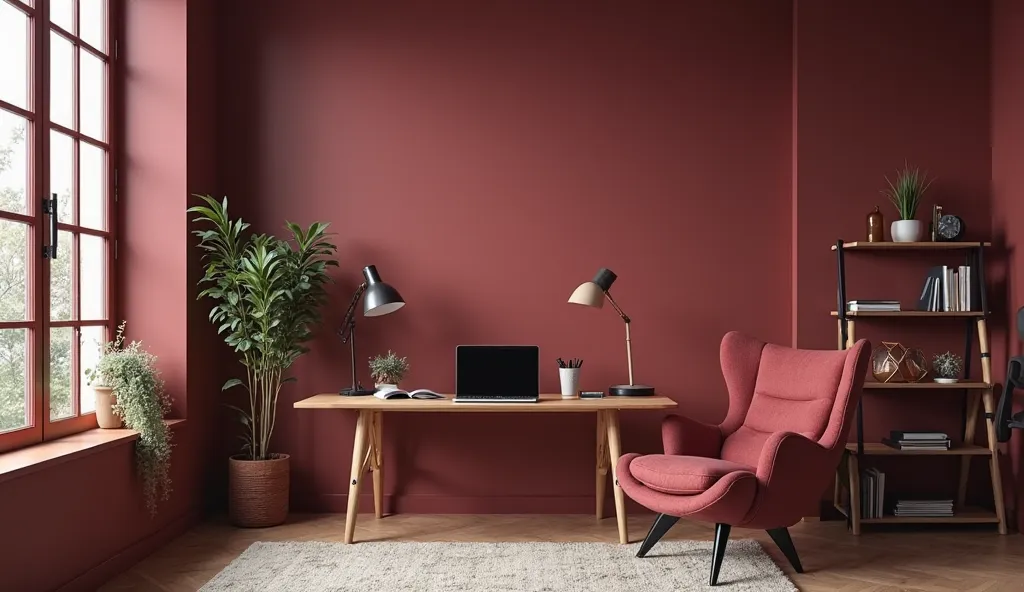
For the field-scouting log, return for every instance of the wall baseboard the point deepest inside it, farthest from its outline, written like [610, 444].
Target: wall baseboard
[455, 504]
[129, 556]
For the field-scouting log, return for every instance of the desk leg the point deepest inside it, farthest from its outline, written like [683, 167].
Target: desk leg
[377, 462]
[602, 463]
[359, 460]
[611, 420]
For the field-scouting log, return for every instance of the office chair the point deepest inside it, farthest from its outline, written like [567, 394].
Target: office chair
[1005, 420]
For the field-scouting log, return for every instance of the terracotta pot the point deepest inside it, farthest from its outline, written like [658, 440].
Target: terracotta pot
[105, 417]
[258, 491]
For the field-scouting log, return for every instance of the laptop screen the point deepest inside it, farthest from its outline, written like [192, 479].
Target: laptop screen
[496, 370]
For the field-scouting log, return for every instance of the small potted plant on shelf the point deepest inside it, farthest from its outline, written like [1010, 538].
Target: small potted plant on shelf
[388, 370]
[266, 295]
[948, 367]
[906, 194]
[129, 390]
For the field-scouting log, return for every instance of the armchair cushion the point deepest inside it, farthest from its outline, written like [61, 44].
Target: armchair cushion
[682, 475]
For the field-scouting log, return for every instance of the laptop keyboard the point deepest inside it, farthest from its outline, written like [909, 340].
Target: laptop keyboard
[496, 399]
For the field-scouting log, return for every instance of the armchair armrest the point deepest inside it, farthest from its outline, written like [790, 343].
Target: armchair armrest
[684, 436]
[792, 473]
[789, 457]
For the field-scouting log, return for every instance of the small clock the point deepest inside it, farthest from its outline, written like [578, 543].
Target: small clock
[950, 228]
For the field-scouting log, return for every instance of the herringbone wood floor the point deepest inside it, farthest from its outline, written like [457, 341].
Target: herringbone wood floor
[961, 559]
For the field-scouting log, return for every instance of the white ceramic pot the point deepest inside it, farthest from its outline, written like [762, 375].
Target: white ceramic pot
[105, 417]
[946, 380]
[907, 231]
[384, 385]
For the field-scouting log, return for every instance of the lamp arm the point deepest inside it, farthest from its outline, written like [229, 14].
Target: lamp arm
[615, 305]
[345, 332]
[629, 346]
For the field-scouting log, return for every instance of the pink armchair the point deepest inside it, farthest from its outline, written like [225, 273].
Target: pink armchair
[767, 464]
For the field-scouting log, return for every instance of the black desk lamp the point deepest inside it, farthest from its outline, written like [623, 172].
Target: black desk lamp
[380, 299]
[593, 293]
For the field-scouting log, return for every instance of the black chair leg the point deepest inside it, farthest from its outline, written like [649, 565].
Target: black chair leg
[785, 543]
[661, 525]
[718, 552]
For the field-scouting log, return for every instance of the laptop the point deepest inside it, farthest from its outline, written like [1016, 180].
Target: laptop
[497, 374]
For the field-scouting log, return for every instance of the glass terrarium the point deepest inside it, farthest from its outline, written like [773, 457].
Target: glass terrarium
[892, 362]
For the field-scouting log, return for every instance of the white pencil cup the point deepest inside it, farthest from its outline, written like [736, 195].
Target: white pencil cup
[570, 378]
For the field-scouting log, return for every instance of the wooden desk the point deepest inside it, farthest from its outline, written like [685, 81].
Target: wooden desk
[367, 451]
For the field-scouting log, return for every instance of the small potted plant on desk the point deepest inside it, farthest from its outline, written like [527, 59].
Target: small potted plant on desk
[129, 389]
[267, 293]
[388, 371]
[906, 194]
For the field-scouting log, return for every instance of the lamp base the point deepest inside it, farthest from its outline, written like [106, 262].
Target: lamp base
[356, 392]
[630, 390]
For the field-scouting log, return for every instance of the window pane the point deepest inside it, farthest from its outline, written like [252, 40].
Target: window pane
[14, 405]
[13, 161]
[92, 186]
[91, 344]
[14, 249]
[60, 373]
[14, 49]
[92, 15]
[61, 79]
[62, 14]
[60, 279]
[61, 167]
[90, 95]
[94, 277]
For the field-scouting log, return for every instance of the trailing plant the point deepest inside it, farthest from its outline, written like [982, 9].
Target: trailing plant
[948, 365]
[389, 369]
[267, 293]
[907, 191]
[131, 373]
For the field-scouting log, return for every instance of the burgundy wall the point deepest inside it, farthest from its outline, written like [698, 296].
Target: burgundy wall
[869, 95]
[1008, 191]
[489, 157]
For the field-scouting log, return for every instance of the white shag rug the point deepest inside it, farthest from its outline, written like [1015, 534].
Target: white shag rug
[497, 567]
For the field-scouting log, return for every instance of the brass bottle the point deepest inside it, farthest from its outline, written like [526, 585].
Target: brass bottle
[876, 226]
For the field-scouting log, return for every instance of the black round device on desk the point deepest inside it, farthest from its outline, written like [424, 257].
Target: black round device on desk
[630, 390]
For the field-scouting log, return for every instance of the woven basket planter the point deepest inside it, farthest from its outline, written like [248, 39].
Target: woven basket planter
[258, 491]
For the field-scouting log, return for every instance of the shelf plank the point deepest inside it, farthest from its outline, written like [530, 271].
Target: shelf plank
[913, 313]
[879, 449]
[922, 246]
[927, 385]
[964, 516]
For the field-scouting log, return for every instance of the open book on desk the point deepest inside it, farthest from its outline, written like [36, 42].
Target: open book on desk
[397, 393]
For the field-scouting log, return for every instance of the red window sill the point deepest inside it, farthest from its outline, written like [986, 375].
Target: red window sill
[25, 461]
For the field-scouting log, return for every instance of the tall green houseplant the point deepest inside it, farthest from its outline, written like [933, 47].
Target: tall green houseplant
[267, 294]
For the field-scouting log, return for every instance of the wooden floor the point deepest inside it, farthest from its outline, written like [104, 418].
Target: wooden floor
[952, 559]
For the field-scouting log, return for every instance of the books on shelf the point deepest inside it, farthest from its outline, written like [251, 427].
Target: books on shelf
[924, 508]
[902, 440]
[872, 494]
[873, 305]
[901, 435]
[947, 289]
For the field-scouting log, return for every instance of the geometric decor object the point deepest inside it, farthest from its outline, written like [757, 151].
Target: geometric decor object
[891, 362]
[310, 566]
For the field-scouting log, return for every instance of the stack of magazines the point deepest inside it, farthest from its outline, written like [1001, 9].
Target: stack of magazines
[917, 440]
[924, 508]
